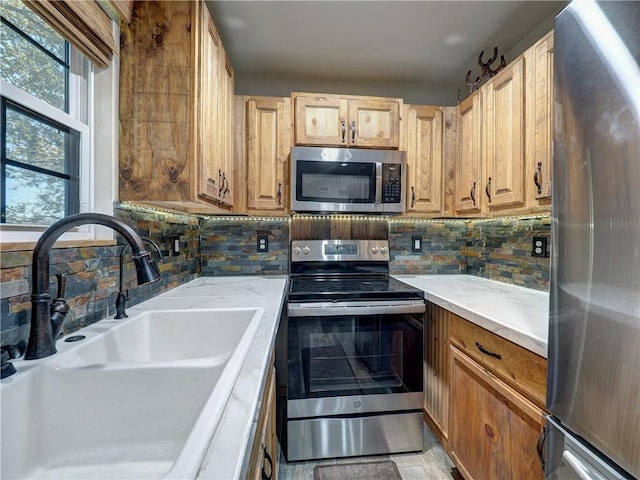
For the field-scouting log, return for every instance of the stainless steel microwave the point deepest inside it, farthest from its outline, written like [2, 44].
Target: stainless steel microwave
[345, 180]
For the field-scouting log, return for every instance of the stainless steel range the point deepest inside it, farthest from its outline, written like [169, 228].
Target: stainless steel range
[355, 353]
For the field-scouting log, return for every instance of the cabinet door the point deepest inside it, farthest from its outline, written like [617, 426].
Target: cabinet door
[493, 430]
[504, 147]
[468, 162]
[320, 120]
[226, 132]
[267, 153]
[374, 123]
[264, 461]
[542, 105]
[424, 159]
[209, 148]
[436, 370]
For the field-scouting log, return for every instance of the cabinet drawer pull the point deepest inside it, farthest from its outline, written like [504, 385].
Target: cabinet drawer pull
[487, 352]
[488, 189]
[353, 132]
[279, 194]
[536, 178]
[540, 445]
[267, 457]
[473, 194]
[344, 130]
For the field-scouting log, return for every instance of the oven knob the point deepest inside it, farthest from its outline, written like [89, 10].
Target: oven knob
[374, 250]
[306, 251]
[296, 251]
[383, 250]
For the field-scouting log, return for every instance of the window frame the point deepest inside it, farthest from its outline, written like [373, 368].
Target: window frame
[98, 146]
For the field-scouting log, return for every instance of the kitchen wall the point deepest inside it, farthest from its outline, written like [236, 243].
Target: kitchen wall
[499, 249]
[229, 246]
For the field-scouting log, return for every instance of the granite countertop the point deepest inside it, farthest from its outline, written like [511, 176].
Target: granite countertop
[518, 314]
[230, 449]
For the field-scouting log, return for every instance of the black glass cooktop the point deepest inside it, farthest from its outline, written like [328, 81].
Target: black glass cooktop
[351, 288]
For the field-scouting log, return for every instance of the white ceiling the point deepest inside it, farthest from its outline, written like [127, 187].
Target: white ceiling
[434, 42]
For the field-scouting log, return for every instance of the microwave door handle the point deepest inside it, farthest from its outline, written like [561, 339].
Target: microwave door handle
[378, 198]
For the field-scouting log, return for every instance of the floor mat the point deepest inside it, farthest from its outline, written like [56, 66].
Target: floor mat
[386, 470]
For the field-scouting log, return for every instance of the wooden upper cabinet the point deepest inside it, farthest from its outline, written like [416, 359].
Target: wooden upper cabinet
[424, 146]
[468, 170]
[504, 150]
[267, 150]
[540, 130]
[329, 120]
[175, 132]
[208, 156]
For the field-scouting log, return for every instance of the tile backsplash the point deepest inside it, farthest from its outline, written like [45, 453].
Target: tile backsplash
[499, 249]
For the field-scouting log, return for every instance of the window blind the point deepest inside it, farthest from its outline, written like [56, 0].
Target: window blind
[83, 23]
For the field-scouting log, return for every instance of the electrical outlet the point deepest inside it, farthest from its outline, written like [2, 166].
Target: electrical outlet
[539, 247]
[416, 244]
[175, 246]
[262, 243]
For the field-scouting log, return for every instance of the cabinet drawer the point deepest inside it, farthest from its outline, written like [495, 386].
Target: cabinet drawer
[520, 368]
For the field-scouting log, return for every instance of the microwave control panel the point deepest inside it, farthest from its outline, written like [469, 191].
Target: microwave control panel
[391, 182]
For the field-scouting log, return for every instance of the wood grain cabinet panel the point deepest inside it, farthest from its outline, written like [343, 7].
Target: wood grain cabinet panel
[539, 98]
[436, 371]
[468, 171]
[268, 146]
[424, 146]
[176, 109]
[334, 120]
[504, 147]
[264, 454]
[493, 429]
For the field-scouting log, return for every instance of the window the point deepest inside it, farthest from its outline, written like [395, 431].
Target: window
[44, 141]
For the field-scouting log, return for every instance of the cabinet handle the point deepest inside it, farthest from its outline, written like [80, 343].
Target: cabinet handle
[344, 130]
[540, 445]
[267, 457]
[279, 195]
[473, 194]
[487, 352]
[220, 182]
[413, 197]
[488, 189]
[536, 178]
[353, 132]
[226, 184]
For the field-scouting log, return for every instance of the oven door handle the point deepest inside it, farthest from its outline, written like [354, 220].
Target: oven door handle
[331, 309]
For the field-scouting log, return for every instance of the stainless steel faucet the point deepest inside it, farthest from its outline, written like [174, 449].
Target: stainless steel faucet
[123, 295]
[47, 318]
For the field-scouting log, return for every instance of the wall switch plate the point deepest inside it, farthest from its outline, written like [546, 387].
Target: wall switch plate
[262, 243]
[540, 247]
[175, 246]
[416, 244]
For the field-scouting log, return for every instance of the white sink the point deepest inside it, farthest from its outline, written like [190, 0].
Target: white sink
[169, 336]
[140, 400]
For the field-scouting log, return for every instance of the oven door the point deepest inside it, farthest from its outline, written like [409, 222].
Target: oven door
[357, 360]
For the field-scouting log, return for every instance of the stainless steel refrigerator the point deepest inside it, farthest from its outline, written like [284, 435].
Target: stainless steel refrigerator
[594, 326]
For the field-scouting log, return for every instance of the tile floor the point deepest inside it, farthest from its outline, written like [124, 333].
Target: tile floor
[432, 464]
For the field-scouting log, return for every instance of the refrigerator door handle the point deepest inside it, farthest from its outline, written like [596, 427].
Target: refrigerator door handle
[571, 460]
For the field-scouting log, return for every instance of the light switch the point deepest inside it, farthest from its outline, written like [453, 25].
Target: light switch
[416, 244]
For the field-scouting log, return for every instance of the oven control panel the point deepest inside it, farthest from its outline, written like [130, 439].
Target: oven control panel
[339, 250]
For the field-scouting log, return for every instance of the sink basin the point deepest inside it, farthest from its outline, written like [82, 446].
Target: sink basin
[169, 336]
[139, 400]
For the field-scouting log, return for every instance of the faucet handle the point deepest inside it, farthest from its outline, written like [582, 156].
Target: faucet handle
[62, 284]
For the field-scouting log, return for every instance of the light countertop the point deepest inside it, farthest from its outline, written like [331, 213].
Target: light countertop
[518, 314]
[230, 449]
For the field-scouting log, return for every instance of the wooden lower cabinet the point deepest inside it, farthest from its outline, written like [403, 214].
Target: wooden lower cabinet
[493, 430]
[436, 371]
[264, 454]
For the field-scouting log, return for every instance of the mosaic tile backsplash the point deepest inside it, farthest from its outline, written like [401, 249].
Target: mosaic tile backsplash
[499, 249]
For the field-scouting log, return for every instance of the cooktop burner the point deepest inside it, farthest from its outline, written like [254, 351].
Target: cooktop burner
[351, 288]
